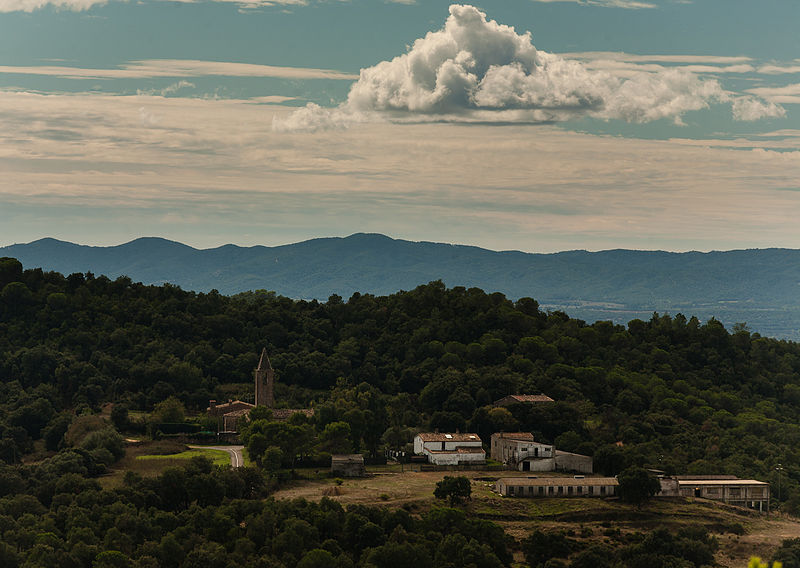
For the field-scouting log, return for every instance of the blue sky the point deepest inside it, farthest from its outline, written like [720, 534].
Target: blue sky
[656, 124]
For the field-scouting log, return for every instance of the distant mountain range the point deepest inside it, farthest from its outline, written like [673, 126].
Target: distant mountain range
[760, 287]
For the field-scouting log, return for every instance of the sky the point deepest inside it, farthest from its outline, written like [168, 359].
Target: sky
[534, 125]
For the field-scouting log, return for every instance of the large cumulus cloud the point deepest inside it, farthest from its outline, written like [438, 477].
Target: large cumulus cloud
[475, 69]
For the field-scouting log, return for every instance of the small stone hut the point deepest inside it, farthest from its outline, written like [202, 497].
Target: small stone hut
[348, 465]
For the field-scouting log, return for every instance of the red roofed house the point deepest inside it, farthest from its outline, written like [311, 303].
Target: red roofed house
[523, 399]
[450, 449]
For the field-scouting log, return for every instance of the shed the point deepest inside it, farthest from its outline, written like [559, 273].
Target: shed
[348, 465]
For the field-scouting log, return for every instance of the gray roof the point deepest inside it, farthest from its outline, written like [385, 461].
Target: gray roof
[558, 481]
[347, 458]
[457, 437]
[718, 482]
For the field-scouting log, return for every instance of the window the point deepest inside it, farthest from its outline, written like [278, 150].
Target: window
[580, 490]
[541, 490]
[511, 490]
[550, 490]
[569, 490]
[602, 490]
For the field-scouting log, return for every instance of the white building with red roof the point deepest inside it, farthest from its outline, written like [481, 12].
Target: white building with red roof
[450, 449]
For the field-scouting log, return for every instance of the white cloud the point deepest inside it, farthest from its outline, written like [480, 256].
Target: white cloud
[476, 69]
[168, 90]
[750, 109]
[31, 5]
[149, 68]
[630, 4]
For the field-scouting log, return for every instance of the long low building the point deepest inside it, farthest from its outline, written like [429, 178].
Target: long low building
[557, 486]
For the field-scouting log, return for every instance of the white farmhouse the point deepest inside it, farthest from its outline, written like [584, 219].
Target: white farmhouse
[450, 449]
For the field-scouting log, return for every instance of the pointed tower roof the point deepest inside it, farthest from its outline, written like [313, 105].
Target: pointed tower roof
[264, 358]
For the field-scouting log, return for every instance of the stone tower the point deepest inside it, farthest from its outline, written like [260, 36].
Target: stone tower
[265, 377]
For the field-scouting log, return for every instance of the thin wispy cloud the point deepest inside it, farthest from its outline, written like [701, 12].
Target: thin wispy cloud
[33, 5]
[788, 94]
[477, 70]
[779, 69]
[657, 58]
[628, 4]
[151, 68]
[83, 5]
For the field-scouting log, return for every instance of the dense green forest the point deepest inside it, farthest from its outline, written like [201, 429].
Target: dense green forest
[685, 396]
[669, 393]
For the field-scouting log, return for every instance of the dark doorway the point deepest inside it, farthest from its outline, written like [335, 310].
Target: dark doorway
[526, 466]
[697, 492]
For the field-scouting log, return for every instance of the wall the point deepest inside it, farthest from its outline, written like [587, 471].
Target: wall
[573, 462]
[546, 464]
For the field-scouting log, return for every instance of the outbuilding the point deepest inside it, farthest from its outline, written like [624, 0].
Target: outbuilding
[348, 465]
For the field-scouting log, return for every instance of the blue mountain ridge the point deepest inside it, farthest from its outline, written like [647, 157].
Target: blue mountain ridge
[757, 286]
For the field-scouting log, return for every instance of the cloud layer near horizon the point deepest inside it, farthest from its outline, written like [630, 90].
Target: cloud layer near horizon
[107, 167]
[475, 69]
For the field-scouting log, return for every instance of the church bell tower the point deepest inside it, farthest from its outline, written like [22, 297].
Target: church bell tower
[265, 378]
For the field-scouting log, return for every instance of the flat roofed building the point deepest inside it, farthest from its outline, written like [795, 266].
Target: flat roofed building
[749, 493]
[557, 486]
[450, 449]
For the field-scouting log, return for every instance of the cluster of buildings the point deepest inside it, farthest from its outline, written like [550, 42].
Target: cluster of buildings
[729, 489]
[230, 414]
[515, 450]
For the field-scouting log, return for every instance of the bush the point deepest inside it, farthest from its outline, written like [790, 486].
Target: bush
[455, 489]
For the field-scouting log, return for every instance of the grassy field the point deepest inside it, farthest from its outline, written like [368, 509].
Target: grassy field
[219, 457]
[149, 459]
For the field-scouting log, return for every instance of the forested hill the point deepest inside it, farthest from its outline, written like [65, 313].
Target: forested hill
[759, 287]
